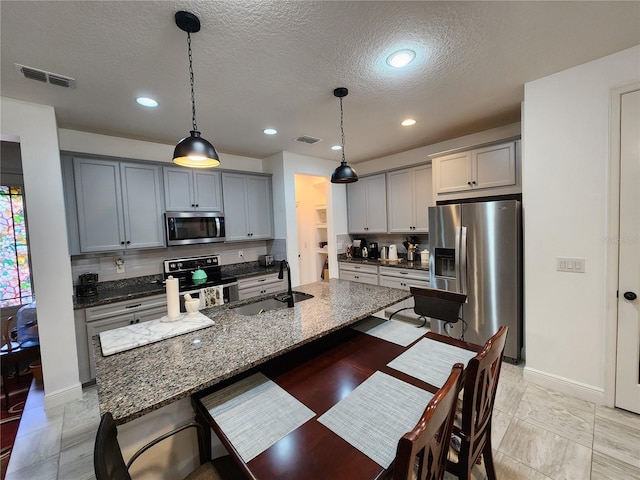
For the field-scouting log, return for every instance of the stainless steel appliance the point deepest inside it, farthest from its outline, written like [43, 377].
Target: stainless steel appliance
[476, 249]
[187, 228]
[184, 268]
[266, 260]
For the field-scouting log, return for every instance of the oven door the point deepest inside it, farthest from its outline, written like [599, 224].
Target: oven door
[230, 294]
[187, 228]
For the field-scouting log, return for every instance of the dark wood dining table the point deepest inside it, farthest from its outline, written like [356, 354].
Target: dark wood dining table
[319, 375]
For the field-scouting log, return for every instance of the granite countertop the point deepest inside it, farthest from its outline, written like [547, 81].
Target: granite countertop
[145, 286]
[138, 381]
[401, 263]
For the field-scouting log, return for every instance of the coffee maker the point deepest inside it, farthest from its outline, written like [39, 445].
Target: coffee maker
[374, 252]
[359, 248]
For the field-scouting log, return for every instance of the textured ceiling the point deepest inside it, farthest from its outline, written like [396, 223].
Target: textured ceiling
[275, 64]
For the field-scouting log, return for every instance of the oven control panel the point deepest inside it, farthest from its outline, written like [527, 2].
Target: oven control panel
[189, 264]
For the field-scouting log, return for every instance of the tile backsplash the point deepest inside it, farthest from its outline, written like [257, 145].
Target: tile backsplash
[149, 262]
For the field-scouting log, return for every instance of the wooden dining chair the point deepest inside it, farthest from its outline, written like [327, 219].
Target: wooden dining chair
[422, 452]
[480, 385]
[109, 464]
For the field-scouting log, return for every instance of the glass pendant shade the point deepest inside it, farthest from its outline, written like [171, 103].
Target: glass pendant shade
[195, 152]
[344, 174]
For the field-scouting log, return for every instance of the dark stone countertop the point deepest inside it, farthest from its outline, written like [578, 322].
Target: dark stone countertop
[145, 286]
[135, 382]
[401, 263]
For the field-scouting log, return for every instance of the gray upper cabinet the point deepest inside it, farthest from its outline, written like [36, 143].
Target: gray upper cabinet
[119, 205]
[489, 170]
[248, 206]
[367, 205]
[409, 195]
[192, 190]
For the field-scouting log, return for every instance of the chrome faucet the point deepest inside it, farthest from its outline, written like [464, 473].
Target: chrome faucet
[289, 297]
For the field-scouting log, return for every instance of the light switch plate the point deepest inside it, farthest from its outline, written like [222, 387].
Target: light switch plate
[570, 264]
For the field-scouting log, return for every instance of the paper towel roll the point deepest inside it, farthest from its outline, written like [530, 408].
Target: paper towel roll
[173, 298]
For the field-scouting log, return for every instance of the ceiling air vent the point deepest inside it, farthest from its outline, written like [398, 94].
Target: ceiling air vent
[46, 77]
[308, 139]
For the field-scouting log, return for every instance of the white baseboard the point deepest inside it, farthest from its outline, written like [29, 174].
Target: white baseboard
[565, 385]
[61, 397]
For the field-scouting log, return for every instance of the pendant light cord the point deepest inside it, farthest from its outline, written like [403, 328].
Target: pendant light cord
[342, 129]
[193, 95]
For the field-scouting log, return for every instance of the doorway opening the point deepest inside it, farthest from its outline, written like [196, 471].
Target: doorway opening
[311, 218]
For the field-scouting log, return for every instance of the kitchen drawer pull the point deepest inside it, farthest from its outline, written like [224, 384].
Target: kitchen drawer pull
[133, 306]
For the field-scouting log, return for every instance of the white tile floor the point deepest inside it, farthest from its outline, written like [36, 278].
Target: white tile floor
[537, 434]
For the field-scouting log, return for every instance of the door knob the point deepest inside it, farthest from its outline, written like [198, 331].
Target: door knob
[630, 295]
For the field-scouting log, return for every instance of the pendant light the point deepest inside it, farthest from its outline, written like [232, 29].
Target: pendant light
[193, 151]
[344, 173]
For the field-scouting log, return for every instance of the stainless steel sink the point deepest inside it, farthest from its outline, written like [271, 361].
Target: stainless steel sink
[262, 306]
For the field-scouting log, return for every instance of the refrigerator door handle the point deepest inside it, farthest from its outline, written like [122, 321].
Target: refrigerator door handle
[462, 260]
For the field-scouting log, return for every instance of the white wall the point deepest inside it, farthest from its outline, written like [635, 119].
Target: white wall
[284, 167]
[565, 195]
[51, 270]
[93, 143]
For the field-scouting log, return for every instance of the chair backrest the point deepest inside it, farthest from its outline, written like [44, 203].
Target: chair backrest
[422, 452]
[439, 304]
[480, 385]
[107, 457]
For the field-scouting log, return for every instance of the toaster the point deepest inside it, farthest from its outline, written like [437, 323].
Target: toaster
[266, 260]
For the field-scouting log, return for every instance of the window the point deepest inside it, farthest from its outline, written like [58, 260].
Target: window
[15, 275]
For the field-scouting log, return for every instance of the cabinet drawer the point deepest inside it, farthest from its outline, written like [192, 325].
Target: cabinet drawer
[422, 275]
[403, 283]
[254, 286]
[126, 307]
[355, 267]
[369, 278]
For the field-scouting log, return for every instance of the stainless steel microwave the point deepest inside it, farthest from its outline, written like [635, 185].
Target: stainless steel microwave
[187, 228]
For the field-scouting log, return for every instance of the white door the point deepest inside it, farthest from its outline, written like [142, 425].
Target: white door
[628, 348]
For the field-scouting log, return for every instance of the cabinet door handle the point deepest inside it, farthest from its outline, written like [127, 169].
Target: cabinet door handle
[128, 242]
[134, 306]
[473, 182]
[469, 183]
[193, 204]
[121, 243]
[197, 205]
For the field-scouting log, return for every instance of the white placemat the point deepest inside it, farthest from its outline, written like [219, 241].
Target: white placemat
[431, 361]
[254, 413]
[139, 334]
[393, 331]
[375, 415]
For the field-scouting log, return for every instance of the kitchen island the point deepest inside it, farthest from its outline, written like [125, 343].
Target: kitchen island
[136, 382]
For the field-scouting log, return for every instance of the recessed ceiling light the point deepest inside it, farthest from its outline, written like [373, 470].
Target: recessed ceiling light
[408, 122]
[269, 131]
[401, 58]
[147, 102]
[336, 147]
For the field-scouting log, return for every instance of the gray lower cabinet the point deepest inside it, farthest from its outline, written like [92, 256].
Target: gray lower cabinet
[248, 206]
[119, 205]
[359, 273]
[107, 317]
[403, 279]
[189, 190]
[262, 285]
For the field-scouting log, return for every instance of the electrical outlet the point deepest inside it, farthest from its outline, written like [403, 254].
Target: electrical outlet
[240, 254]
[120, 266]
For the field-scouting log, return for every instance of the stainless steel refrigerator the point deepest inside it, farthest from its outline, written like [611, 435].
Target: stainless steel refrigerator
[476, 249]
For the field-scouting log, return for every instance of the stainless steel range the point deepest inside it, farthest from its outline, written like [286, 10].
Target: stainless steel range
[184, 268]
